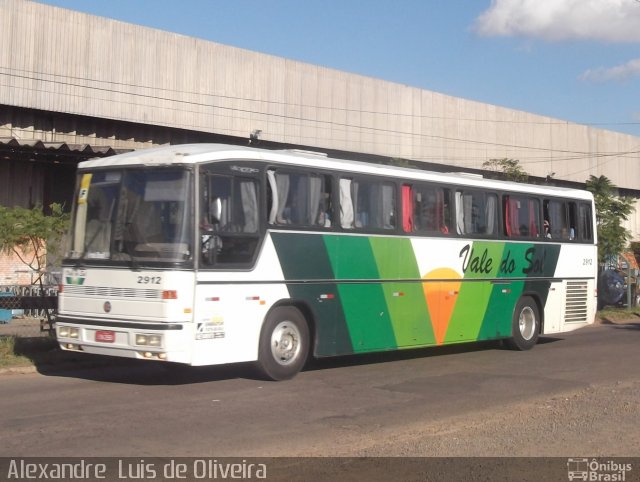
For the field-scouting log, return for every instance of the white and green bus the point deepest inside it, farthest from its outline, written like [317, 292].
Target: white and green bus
[211, 254]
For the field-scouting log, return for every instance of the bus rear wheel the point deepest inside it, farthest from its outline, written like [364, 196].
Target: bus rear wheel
[525, 326]
[284, 343]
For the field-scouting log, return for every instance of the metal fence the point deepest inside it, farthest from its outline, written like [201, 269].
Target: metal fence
[27, 310]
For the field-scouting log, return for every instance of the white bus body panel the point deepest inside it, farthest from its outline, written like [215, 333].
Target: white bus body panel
[231, 306]
[220, 313]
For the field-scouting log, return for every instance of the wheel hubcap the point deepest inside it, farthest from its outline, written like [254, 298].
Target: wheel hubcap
[527, 323]
[285, 343]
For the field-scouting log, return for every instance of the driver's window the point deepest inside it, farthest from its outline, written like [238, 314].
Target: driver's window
[230, 204]
[229, 221]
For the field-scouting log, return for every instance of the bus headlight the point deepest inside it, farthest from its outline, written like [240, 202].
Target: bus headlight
[68, 332]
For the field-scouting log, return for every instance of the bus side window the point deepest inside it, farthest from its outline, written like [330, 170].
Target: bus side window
[346, 204]
[324, 211]
[522, 217]
[555, 212]
[361, 203]
[408, 225]
[573, 220]
[428, 208]
[373, 204]
[585, 221]
[367, 204]
[229, 221]
[299, 199]
[476, 213]
[279, 189]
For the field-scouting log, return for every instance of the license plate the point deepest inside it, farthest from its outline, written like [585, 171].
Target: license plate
[105, 336]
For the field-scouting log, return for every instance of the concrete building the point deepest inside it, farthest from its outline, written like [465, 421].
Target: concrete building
[81, 80]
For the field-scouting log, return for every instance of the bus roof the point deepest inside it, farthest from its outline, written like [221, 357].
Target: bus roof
[200, 153]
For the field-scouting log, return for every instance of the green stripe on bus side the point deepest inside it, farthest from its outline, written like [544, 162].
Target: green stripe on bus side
[304, 257]
[406, 301]
[364, 304]
[479, 261]
[367, 316]
[504, 296]
[518, 260]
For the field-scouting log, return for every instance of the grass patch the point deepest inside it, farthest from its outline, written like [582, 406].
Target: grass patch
[41, 350]
[613, 314]
[9, 355]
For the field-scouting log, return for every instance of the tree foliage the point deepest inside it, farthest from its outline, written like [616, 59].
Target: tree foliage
[509, 168]
[31, 235]
[611, 211]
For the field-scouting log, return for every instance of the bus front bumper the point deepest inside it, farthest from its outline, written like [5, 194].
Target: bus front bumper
[146, 341]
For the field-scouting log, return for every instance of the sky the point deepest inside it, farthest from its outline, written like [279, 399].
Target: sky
[574, 60]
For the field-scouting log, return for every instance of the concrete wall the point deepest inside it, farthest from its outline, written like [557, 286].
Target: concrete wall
[63, 61]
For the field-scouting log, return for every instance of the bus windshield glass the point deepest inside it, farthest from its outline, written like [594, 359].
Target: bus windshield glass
[133, 215]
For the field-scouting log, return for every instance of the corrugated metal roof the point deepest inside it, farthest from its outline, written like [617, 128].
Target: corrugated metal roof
[84, 150]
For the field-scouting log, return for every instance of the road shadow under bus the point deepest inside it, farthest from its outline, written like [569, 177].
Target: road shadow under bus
[151, 373]
[412, 353]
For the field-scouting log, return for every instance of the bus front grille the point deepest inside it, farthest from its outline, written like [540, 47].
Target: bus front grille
[576, 301]
[113, 292]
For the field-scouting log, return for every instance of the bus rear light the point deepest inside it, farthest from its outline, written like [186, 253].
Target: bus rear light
[213, 298]
[328, 296]
[169, 295]
[398, 293]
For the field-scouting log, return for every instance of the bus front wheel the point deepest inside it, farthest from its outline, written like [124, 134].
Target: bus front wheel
[525, 326]
[284, 343]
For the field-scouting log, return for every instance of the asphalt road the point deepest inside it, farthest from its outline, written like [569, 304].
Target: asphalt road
[578, 393]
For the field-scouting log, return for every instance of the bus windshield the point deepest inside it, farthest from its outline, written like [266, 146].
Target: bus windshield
[132, 215]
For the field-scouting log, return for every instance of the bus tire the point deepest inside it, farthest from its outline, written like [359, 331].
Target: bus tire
[284, 343]
[525, 326]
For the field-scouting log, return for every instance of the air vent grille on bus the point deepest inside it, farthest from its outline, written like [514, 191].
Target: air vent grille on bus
[112, 292]
[576, 301]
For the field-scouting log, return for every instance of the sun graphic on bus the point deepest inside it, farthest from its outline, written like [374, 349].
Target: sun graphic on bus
[441, 296]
